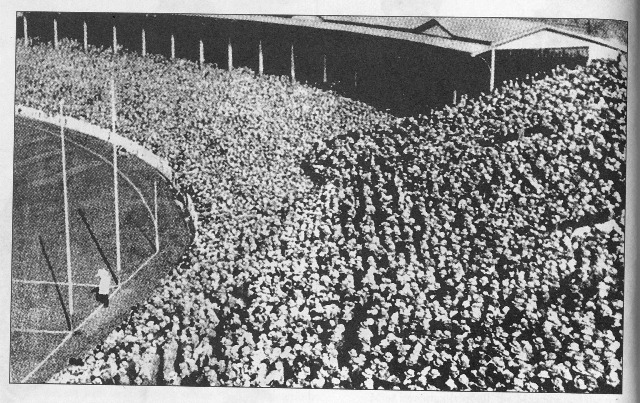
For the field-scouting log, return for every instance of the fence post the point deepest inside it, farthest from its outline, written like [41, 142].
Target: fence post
[260, 58]
[144, 43]
[173, 47]
[24, 27]
[492, 78]
[55, 33]
[229, 55]
[293, 64]
[201, 54]
[85, 36]
[115, 40]
[324, 68]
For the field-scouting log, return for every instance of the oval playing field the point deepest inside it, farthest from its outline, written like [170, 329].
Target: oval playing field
[45, 330]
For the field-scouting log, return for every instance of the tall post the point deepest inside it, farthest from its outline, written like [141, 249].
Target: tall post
[455, 97]
[55, 33]
[115, 177]
[173, 47]
[155, 215]
[201, 54]
[260, 58]
[293, 64]
[229, 55]
[66, 209]
[492, 78]
[24, 27]
[85, 36]
[324, 68]
[144, 43]
[115, 40]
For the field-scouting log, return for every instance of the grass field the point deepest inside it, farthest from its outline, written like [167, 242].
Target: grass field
[44, 334]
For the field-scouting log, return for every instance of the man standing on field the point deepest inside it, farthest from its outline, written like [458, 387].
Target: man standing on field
[103, 287]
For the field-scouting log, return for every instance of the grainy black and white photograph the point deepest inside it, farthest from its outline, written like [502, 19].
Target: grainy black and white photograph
[410, 203]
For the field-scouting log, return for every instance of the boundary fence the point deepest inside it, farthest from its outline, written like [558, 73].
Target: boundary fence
[133, 148]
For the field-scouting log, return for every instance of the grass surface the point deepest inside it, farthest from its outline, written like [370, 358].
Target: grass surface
[39, 241]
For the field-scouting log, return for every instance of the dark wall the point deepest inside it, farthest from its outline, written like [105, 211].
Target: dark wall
[403, 77]
[513, 64]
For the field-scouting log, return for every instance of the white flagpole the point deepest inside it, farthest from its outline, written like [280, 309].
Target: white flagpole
[155, 203]
[115, 176]
[66, 209]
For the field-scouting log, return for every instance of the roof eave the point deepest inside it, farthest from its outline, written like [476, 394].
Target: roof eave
[520, 35]
[400, 35]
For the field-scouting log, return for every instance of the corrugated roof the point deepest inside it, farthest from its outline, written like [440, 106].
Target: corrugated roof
[485, 30]
[404, 23]
[488, 30]
[469, 35]
[437, 41]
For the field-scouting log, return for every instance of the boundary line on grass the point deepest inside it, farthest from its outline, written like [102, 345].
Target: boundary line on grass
[41, 331]
[23, 281]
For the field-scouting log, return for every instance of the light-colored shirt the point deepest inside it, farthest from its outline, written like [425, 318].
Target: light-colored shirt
[105, 281]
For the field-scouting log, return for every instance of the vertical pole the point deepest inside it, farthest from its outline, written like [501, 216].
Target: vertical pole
[293, 64]
[55, 33]
[229, 55]
[66, 209]
[115, 177]
[324, 68]
[155, 203]
[201, 53]
[144, 43]
[24, 27]
[260, 58]
[115, 40]
[85, 36]
[173, 47]
[355, 79]
[455, 97]
[492, 78]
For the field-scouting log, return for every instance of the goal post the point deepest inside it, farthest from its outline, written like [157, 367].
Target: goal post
[66, 208]
[155, 213]
[115, 178]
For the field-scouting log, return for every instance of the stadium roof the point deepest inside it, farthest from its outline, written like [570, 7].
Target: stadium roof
[469, 35]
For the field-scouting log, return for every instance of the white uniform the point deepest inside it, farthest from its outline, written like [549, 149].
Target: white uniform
[105, 282]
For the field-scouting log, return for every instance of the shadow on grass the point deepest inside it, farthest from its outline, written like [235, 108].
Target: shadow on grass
[151, 242]
[53, 274]
[83, 216]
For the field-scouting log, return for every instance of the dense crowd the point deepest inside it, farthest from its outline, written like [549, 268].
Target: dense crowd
[477, 248]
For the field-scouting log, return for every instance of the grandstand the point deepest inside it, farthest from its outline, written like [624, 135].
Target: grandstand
[406, 65]
[478, 247]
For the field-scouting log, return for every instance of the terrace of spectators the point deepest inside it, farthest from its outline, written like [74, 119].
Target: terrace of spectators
[405, 65]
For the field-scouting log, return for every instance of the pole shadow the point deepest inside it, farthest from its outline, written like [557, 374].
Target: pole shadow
[55, 280]
[83, 216]
[144, 234]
